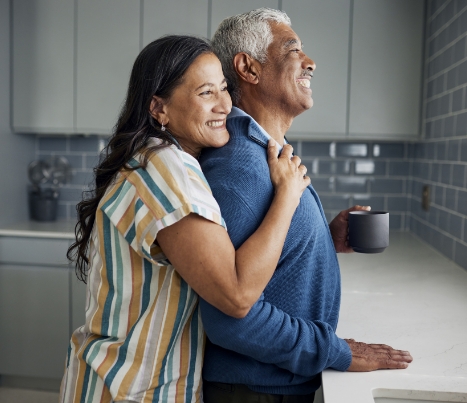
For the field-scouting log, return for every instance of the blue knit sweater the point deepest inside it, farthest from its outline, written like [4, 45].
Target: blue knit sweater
[288, 337]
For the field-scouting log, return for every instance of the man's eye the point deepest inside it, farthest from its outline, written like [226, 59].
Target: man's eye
[296, 50]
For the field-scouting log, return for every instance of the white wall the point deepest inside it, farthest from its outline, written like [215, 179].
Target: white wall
[16, 151]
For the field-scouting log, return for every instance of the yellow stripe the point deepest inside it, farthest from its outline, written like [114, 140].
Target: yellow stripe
[168, 325]
[141, 346]
[146, 196]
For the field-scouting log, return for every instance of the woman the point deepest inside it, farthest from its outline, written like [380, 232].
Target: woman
[151, 238]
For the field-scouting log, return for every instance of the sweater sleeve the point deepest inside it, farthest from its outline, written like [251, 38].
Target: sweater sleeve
[270, 335]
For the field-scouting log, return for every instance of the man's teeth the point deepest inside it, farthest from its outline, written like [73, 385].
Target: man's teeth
[215, 124]
[304, 83]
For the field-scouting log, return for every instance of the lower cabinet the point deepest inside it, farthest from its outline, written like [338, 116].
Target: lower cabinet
[41, 303]
[34, 320]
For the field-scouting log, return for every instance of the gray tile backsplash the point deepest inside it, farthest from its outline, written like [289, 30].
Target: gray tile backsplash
[83, 155]
[445, 132]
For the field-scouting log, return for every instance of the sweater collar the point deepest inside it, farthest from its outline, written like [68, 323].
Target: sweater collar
[255, 131]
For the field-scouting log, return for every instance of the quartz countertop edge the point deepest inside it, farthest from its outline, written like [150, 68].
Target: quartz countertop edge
[412, 298]
[61, 229]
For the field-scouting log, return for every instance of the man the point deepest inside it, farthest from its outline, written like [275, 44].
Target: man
[288, 337]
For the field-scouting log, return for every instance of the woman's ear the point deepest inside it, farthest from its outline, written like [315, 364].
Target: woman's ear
[247, 68]
[158, 110]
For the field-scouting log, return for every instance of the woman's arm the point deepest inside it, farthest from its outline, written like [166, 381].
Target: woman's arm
[201, 251]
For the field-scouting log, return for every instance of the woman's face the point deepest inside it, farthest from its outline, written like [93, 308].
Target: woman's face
[196, 112]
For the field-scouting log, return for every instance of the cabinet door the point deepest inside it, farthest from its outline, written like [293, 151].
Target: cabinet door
[386, 68]
[108, 41]
[323, 27]
[42, 66]
[174, 17]
[34, 312]
[226, 8]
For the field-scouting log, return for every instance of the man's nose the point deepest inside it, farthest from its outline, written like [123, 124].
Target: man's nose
[309, 64]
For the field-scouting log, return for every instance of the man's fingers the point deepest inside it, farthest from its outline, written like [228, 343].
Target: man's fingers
[296, 160]
[303, 169]
[287, 151]
[273, 150]
[392, 364]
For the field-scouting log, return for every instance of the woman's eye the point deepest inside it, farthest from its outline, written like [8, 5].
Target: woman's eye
[224, 88]
[206, 93]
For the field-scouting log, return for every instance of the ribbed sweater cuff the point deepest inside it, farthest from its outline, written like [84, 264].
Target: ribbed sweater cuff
[343, 356]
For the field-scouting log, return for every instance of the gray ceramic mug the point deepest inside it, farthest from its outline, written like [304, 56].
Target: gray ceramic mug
[369, 231]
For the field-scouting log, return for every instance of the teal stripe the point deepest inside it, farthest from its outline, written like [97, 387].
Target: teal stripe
[156, 190]
[92, 389]
[123, 190]
[119, 273]
[190, 381]
[109, 268]
[188, 299]
[162, 380]
[198, 172]
[113, 198]
[131, 233]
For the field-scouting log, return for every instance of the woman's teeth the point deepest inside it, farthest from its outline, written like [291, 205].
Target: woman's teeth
[215, 124]
[304, 83]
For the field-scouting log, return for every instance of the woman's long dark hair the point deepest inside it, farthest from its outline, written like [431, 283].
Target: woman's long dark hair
[157, 70]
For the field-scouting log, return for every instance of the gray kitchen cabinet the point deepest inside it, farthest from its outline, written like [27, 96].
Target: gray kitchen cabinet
[42, 66]
[108, 41]
[225, 8]
[34, 314]
[323, 27]
[36, 298]
[386, 69]
[177, 17]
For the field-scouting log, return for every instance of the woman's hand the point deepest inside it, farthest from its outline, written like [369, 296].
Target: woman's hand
[288, 175]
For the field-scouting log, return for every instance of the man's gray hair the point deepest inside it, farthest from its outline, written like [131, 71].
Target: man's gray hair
[250, 33]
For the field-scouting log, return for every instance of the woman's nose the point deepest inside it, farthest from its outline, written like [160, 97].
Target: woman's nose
[223, 104]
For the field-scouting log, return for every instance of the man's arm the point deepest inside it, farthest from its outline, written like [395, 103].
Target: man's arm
[270, 335]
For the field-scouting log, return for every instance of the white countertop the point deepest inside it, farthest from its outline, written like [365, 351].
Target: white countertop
[411, 298]
[63, 229]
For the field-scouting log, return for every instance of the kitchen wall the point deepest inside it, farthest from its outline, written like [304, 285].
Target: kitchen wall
[385, 175]
[345, 173]
[16, 151]
[440, 160]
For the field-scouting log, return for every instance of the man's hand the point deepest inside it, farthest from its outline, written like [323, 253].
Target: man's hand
[370, 357]
[339, 227]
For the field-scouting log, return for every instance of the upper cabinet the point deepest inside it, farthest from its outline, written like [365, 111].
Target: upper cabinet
[323, 28]
[386, 68]
[107, 43]
[72, 60]
[177, 17]
[42, 66]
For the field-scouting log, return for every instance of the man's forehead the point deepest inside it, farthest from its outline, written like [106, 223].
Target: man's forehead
[284, 35]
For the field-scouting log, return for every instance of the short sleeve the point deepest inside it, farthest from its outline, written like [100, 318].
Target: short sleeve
[146, 200]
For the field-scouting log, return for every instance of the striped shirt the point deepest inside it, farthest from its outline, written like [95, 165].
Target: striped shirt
[143, 338]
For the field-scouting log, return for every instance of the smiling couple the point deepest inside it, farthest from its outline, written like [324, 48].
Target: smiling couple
[183, 166]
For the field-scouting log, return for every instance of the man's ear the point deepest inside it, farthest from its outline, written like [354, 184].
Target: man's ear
[247, 68]
[158, 110]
